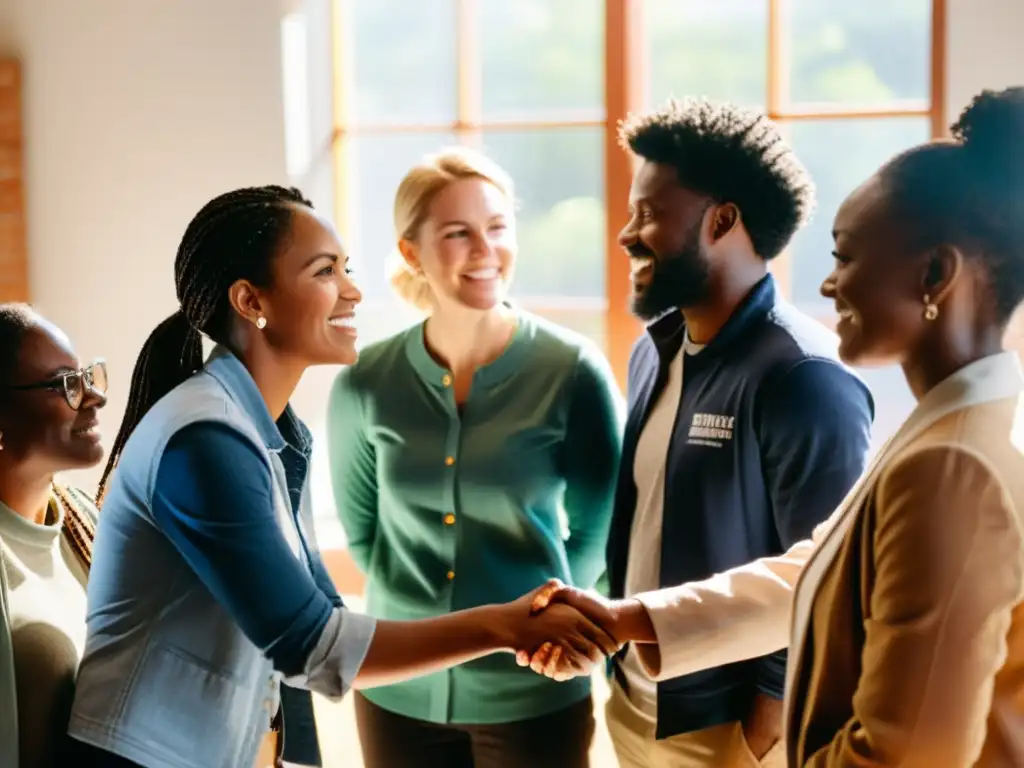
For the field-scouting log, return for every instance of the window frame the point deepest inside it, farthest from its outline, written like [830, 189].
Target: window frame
[625, 65]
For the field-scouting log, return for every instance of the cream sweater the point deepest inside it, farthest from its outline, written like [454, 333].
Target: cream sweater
[46, 604]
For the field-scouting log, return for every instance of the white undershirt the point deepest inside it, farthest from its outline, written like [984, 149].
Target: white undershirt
[47, 605]
[643, 568]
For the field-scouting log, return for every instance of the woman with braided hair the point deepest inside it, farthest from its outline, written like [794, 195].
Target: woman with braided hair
[207, 588]
[48, 420]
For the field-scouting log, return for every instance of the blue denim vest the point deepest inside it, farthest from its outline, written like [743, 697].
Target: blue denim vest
[168, 679]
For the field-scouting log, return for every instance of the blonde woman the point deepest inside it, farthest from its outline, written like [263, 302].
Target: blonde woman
[456, 447]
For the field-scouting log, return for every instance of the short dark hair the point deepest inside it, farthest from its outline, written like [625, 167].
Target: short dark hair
[732, 155]
[15, 321]
[233, 237]
[968, 191]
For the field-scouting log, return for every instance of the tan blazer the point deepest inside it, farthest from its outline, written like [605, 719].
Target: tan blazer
[907, 635]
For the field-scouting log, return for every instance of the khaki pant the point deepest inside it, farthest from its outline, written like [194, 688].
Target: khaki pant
[721, 746]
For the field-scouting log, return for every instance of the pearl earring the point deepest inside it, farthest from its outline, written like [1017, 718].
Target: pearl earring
[261, 322]
[931, 310]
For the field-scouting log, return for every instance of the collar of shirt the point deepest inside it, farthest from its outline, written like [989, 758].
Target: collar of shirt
[288, 431]
[508, 363]
[669, 331]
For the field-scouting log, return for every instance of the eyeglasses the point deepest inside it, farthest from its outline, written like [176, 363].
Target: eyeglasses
[74, 384]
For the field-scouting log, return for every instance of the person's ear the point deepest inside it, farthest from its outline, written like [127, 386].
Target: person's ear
[245, 300]
[724, 218]
[410, 253]
[941, 268]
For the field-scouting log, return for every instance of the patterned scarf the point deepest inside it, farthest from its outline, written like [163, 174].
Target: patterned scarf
[79, 528]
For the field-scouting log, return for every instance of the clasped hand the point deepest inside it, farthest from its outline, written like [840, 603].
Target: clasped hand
[564, 631]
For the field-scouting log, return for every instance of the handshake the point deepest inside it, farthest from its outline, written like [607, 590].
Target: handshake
[562, 632]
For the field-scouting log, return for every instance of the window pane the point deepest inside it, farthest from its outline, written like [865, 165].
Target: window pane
[713, 49]
[865, 52]
[840, 154]
[559, 176]
[376, 165]
[542, 59]
[404, 62]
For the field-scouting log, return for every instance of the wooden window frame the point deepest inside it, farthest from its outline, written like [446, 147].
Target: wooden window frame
[625, 84]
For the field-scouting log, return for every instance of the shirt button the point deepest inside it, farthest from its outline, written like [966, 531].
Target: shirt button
[451, 575]
[446, 380]
[449, 519]
[449, 461]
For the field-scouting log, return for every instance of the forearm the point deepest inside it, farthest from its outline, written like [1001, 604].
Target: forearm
[737, 615]
[401, 650]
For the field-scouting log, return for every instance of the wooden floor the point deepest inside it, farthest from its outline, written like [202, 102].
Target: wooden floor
[340, 744]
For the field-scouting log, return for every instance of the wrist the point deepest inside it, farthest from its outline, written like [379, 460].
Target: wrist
[632, 623]
[495, 625]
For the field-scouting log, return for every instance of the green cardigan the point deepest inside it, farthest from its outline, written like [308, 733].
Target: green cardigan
[446, 511]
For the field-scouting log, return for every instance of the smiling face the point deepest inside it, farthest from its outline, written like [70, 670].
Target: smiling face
[466, 245]
[310, 303]
[876, 282]
[669, 265]
[39, 425]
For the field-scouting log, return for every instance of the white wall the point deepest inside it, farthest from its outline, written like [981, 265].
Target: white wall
[983, 49]
[136, 113]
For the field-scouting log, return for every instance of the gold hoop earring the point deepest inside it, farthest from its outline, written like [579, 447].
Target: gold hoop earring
[931, 309]
[261, 322]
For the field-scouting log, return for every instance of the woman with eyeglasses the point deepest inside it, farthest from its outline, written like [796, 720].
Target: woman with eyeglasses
[48, 424]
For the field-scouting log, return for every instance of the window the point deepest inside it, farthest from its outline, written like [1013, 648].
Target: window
[541, 86]
[522, 81]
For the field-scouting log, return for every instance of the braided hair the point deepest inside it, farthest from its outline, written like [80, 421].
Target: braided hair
[233, 237]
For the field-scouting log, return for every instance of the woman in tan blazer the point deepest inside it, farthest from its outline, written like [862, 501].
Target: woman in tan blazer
[906, 626]
[907, 644]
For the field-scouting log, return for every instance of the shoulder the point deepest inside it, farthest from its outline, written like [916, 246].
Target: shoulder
[981, 441]
[940, 479]
[211, 455]
[949, 500]
[796, 351]
[554, 344]
[787, 337]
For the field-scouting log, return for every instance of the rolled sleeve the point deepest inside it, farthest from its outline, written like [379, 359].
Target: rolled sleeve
[339, 653]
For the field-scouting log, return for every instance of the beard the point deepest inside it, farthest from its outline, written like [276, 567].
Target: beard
[677, 281]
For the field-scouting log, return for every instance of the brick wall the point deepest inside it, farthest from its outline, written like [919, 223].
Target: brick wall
[13, 255]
